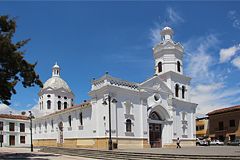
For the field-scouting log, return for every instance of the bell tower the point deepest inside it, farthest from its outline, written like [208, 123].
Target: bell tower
[168, 54]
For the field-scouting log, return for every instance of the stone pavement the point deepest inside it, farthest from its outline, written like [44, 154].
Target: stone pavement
[26, 154]
[198, 150]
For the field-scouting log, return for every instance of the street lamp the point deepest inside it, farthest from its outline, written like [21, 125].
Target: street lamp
[110, 100]
[31, 117]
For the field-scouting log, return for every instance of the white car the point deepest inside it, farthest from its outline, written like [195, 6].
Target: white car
[216, 142]
[201, 142]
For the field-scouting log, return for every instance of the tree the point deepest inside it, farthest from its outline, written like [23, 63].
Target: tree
[13, 67]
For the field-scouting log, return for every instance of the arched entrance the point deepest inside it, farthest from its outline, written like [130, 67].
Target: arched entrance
[60, 126]
[155, 131]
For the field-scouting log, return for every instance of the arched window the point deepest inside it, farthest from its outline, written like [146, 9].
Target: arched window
[65, 105]
[70, 120]
[128, 125]
[48, 104]
[159, 67]
[80, 119]
[45, 125]
[178, 66]
[183, 91]
[52, 123]
[59, 105]
[176, 90]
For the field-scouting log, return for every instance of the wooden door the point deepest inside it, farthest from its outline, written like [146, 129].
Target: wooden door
[155, 135]
[11, 140]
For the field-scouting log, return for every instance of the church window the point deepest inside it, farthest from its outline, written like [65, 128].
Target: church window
[59, 105]
[1, 126]
[176, 90]
[45, 125]
[80, 119]
[178, 66]
[39, 126]
[183, 91]
[49, 96]
[70, 120]
[159, 67]
[59, 96]
[52, 123]
[128, 125]
[48, 104]
[65, 105]
[65, 97]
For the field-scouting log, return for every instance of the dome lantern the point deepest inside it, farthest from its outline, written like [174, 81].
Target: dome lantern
[56, 70]
[167, 33]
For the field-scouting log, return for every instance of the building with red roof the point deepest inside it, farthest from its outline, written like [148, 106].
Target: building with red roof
[224, 123]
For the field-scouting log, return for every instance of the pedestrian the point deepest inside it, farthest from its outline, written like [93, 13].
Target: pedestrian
[178, 143]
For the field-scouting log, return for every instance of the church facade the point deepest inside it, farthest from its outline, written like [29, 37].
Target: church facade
[153, 113]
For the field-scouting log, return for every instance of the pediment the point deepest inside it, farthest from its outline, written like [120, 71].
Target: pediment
[154, 85]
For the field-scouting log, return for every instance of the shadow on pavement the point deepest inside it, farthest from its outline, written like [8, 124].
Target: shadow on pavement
[35, 156]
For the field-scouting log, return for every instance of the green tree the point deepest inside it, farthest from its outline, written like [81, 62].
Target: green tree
[13, 67]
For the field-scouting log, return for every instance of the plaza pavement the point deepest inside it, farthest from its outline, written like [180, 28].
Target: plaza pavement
[198, 150]
[25, 154]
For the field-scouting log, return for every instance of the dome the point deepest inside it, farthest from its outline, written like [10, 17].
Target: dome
[56, 65]
[167, 28]
[167, 31]
[56, 83]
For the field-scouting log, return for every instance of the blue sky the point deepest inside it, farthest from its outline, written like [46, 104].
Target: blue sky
[89, 38]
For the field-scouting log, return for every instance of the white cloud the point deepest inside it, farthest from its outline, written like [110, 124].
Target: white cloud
[227, 53]
[199, 59]
[209, 89]
[4, 109]
[236, 62]
[172, 18]
[214, 96]
[234, 16]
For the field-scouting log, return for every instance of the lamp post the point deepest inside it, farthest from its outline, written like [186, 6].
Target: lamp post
[31, 117]
[110, 100]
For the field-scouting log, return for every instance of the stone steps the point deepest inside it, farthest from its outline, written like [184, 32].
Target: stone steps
[112, 155]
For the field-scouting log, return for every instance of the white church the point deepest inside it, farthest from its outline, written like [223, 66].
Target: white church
[153, 113]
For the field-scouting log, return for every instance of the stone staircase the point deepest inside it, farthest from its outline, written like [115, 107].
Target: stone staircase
[113, 155]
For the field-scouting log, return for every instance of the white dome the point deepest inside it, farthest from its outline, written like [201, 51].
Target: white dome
[56, 66]
[167, 28]
[166, 31]
[56, 83]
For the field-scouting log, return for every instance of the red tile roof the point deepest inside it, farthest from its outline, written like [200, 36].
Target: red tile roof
[12, 116]
[223, 110]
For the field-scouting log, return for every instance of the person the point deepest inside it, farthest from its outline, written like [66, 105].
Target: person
[178, 143]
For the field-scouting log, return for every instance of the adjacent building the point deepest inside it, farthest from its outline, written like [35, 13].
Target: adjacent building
[224, 124]
[152, 113]
[202, 127]
[14, 130]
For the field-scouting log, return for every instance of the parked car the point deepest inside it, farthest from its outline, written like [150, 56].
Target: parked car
[216, 142]
[202, 142]
[235, 142]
